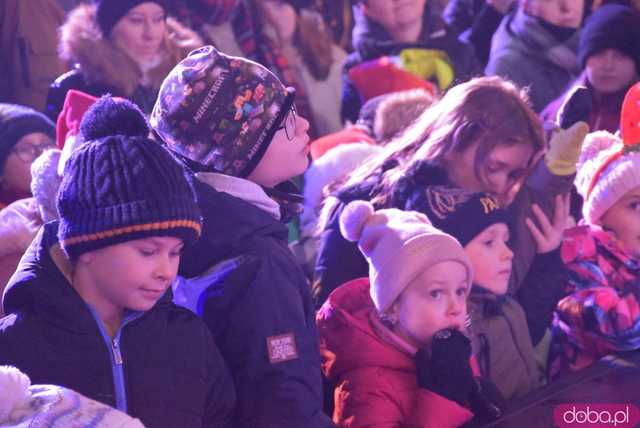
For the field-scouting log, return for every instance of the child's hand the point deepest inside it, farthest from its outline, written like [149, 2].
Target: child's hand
[446, 370]
[549, 235]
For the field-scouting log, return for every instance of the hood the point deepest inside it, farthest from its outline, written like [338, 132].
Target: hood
[229, 224]
[82, 43]
[347, 338]
[39, 286]
[371, 40]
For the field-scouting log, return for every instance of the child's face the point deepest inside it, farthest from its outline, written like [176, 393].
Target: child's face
[288, 154]
[132, 275]
[16, 174]
[394, 14]
[623, 219]
[563, 13]
[503, 168]
[610, 70]
[435, 300]
[491, 258]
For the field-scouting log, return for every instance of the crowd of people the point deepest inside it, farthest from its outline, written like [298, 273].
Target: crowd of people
[312, 213]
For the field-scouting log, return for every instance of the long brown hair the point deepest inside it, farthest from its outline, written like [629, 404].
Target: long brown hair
[488, 110]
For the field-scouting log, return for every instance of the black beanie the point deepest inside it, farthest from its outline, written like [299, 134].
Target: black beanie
[460, 213]
[17, 121]
[611, 26]
[118, 188]
[109, 12]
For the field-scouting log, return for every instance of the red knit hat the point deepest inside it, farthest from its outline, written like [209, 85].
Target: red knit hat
[76, 103]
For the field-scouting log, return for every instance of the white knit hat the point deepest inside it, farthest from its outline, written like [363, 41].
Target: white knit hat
[399, 246]
[23, 404]
[618, 177]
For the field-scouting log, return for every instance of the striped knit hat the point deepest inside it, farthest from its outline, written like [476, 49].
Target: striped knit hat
[120, 186]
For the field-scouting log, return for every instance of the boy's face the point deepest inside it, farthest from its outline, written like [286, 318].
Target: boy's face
[394, 14]
[434, 300]
[610, 70]
[288, 154]
[491, 258]
[132, 275]
[623, 219]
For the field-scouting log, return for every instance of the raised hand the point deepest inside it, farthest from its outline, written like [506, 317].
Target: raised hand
[548, 234]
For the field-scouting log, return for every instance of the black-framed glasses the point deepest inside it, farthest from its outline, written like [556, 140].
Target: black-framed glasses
[29, 152]
[289, 124]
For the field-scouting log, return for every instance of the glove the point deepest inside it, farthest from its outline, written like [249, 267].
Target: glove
[566, 142]
[446, 371]
[486, 401]
[575, 108]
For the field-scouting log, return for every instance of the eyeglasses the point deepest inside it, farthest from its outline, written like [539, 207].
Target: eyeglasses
[289, 124]
[29, 152]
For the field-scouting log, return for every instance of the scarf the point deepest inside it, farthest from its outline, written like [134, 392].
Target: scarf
[534, 34]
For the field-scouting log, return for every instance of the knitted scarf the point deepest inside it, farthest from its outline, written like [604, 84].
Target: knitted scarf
[562, 54]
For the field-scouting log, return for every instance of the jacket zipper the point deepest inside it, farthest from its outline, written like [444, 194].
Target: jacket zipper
[115, 357]
[118, 373]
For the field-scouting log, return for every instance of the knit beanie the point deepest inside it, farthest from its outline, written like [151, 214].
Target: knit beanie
[17, 121]
[399, 246]
[76, 103]
[25, 405]
[220, 111]
[611, 26]
[609, 167]
[109, 12]
[45, 182]
[461, 213]
[119, 185]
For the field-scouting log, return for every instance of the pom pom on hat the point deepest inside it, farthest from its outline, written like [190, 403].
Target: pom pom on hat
[353, 219]
[14, 391]
[110, 116]
[399, 246]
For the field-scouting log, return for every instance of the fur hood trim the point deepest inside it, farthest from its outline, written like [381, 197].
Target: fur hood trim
[82, 43]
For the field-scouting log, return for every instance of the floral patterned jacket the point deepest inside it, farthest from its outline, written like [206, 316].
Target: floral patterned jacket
[600, 314]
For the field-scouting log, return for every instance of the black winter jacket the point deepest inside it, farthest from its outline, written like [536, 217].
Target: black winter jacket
[257, 303]
[174, 375]
[371, 41]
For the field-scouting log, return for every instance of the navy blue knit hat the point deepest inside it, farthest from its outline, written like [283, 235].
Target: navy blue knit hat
[611, 26]
[460, 213]
[109, 12]
[118, 188]
[17, 121]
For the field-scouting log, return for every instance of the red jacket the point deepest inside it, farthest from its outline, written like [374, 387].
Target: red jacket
[375, 376]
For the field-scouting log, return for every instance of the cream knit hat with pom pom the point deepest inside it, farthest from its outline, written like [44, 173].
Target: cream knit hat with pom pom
[399, 246]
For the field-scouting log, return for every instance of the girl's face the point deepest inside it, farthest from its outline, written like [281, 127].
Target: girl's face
[503, 168]
[610, 71]
[287, 155]
[140, 32]
[491, 258]
[623, 219]
[434, 300]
